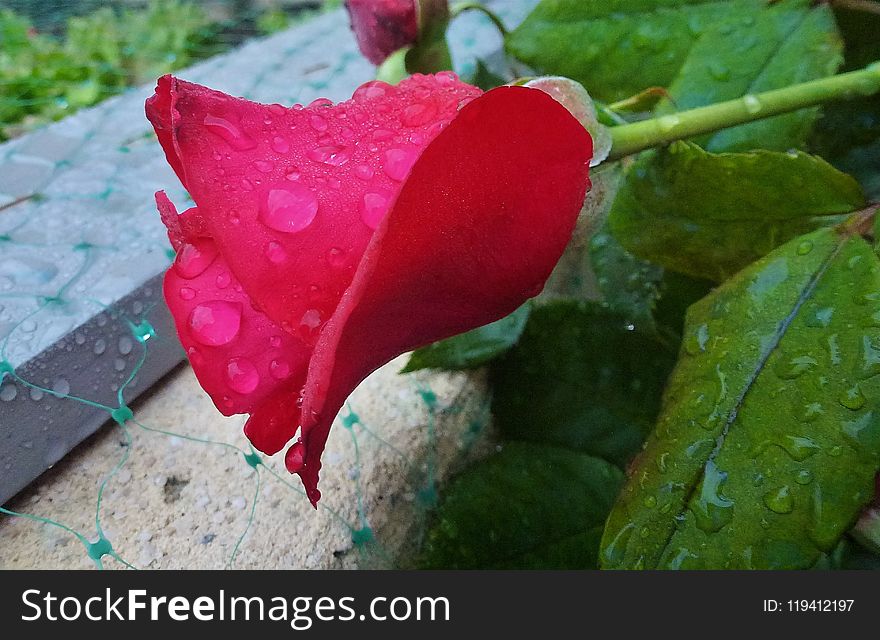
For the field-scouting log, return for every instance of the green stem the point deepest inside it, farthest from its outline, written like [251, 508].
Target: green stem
[393, 70]
[460, 7]
[631, 138]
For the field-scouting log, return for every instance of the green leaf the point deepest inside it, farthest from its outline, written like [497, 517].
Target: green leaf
[617, 48]
[474, 348]
[768, 442]
[629, 285]
[581, 377]
[791, 41]
[529, 506]
[709, 215]
[485, 78]
[848, 134]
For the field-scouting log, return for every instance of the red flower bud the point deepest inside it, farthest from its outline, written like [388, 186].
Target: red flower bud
[383, 26]
[327, 240]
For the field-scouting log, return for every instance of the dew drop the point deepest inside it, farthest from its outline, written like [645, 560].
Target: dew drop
[804, 476]
[100, 346]
[336, 257]
[852, 398]
[61, 386]
[363, 172]
[280, 145]
[125, 345]
[275, 252]
[289, 209]
[293, 175]
[222, 280]
[752, 104]
[418, 114]
[279, 369]
[332, 155]
[186, 293]
[215, 323]
[311, 319]
[779, 500]
[275, 341]
[8, 392]
[295, 458]
[264, 166]
[804, 248]
[668, 124]
[373, 208]
[242, 375]
[371, 90]
[230, 132]
[317, 122]
[396, 163]
[194, 258]
[719, 71]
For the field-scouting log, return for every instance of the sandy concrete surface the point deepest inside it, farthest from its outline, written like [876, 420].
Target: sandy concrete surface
[177, 502]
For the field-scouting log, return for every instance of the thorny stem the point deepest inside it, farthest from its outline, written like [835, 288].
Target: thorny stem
[631, 138]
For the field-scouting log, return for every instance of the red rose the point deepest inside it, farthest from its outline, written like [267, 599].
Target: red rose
[383, 26]
[327, 240]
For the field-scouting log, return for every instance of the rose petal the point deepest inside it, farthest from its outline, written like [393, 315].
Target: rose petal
[295, 194]
[238, 354]
[481, 221]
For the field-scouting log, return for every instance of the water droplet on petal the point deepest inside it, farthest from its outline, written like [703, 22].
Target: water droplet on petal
[279, 369]
[295, 458]
[418, 114]
[280, 145]
[275, 341]
[804, 248]
[215, 323]
[363, 172]
[333, 155]
[371, 90]
[318, 123]
[293, 174]
[194, 258]
[289, 208]
[397, 162]
[223, 279]
[311, 319]
[230, 132]
[187, 294]
[275, 252]
[264, 166]
[242, 375]
[336, 257]
[374, 206]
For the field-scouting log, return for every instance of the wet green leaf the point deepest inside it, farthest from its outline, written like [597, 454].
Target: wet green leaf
[768, 442]
[529, 506]
[789, 42]
[583, 378]
[629, 285]
[474, 348]
[617, 48]
[848, 135]
[709, 215]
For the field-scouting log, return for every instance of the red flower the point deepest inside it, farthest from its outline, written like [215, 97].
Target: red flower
[383, 26]
[327, 240]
